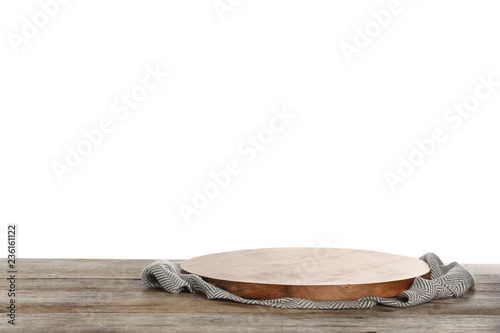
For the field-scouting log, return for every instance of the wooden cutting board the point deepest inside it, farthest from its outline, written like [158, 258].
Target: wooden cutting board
[318, 274]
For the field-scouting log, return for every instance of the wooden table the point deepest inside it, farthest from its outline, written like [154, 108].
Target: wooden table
[74, 295]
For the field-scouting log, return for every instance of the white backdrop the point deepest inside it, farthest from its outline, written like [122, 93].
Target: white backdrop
[367, 124]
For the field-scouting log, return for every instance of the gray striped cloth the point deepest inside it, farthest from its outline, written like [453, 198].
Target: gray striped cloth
[446, 281]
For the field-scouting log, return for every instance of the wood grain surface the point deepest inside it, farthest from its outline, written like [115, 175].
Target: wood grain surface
[86, 295]
[319, 274]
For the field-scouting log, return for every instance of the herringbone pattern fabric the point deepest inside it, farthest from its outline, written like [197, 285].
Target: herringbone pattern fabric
[447, 281]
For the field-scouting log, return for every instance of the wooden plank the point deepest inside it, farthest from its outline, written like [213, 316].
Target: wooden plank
[54, 295]
[130, 296]
[132, 268]
[478, 269]
[39, 286]
[396, 323]
[486, 287]
[486, 278]
[144, 322]
[264, 322]
[82, 268]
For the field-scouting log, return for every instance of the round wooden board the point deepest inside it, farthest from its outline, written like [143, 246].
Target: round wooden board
[318, 274]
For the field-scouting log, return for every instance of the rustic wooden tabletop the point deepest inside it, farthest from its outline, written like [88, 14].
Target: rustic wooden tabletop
[75, 295]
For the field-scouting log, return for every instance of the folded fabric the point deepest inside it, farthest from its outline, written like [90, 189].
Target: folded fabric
[446, 281]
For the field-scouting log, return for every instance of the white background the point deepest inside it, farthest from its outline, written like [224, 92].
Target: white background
[319, 183]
